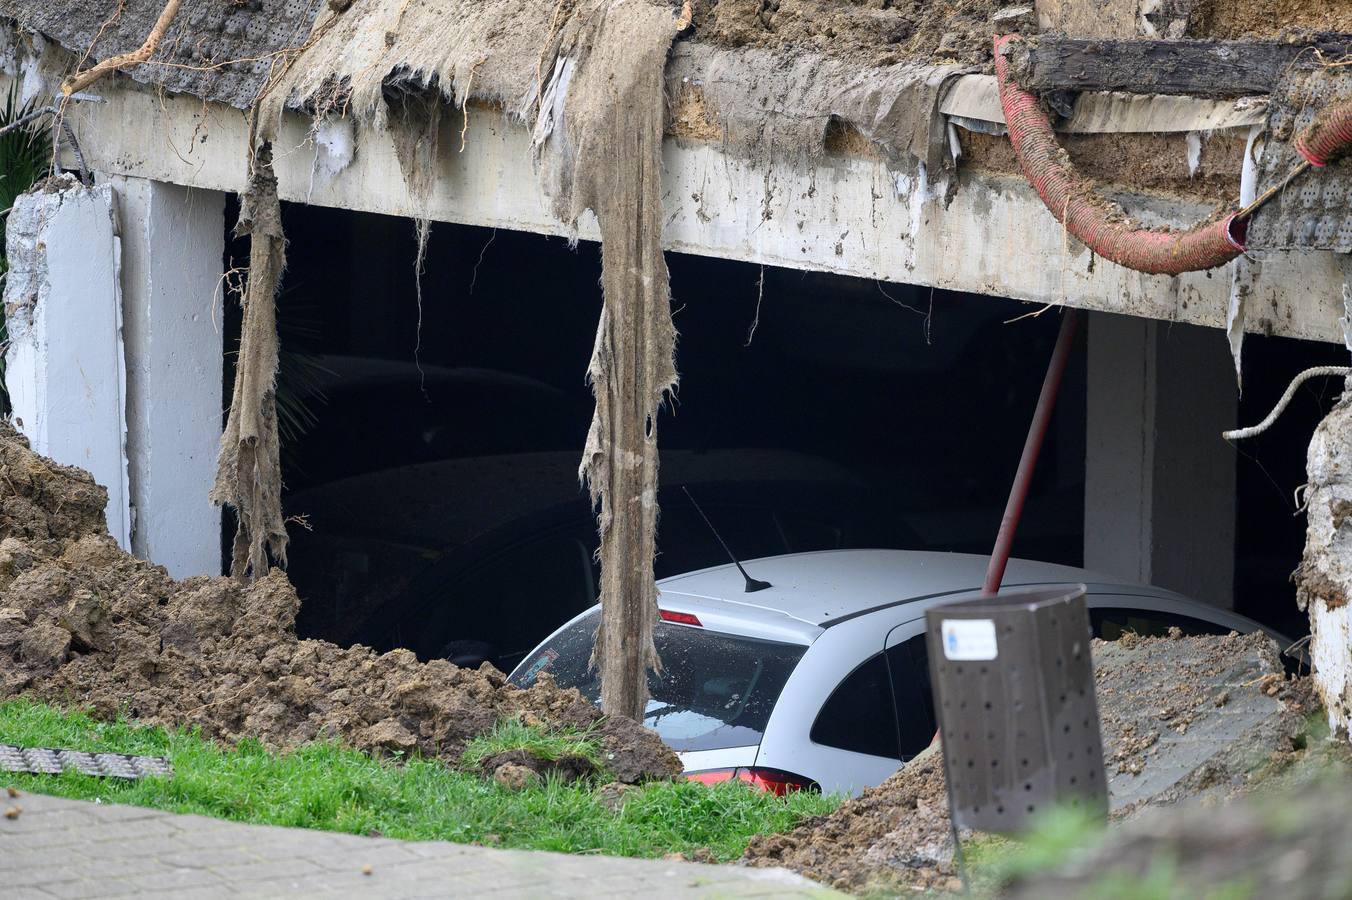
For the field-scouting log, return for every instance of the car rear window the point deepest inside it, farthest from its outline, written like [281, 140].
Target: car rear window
[715, 690]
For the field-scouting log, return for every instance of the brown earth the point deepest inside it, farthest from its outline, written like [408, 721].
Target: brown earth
[1130, 162]
[1233, 19]
[896, 838]
[875, 32]
[83, 624]
[566, 768]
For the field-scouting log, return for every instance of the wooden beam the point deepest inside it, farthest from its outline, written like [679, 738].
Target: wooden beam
[1195, 68]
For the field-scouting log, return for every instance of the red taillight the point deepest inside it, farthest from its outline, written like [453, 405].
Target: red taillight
[679, 618]
[776, 781]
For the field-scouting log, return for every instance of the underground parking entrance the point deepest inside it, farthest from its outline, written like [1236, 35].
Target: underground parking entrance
[431, 436]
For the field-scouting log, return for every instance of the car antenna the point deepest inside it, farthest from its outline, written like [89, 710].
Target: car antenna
[752, 584]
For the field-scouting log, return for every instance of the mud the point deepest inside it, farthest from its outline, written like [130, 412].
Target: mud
[1152, 163]
[895, 837]
[1152, 692]
[567, 768]
[876, 33]
[83, 624]
[1281, 19]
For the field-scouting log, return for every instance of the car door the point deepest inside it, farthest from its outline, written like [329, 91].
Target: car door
[834, 722]
[907, 658]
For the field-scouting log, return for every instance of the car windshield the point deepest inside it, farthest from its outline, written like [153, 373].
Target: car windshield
[715, 690]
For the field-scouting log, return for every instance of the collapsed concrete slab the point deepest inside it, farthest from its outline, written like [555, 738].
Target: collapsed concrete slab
[63, 307]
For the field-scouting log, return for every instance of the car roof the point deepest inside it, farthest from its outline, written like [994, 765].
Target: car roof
[827, 586]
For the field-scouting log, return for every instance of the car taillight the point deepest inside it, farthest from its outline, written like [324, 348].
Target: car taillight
[679, 618]
[776, 781]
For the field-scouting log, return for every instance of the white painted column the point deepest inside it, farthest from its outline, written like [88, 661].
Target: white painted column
[64, 364]
[1159, 481]
[173, 240]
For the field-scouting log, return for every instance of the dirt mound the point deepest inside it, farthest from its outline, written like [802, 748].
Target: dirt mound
[895, 836]
[1182, 717]
[875, 34]
[82, 623]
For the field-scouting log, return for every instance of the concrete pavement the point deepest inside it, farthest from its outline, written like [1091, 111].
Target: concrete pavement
[59, 848]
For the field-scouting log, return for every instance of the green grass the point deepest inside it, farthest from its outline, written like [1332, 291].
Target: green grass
[513, 735]
[327, 786]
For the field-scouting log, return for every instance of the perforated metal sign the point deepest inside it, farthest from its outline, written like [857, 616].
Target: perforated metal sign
[1315, 211]
[1014, 692]
[46, 761]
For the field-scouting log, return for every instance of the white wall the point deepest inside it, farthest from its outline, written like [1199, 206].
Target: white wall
[64, 364]
[173, 239]
[1159, 480]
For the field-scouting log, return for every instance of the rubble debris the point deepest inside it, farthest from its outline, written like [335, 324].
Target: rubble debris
[213, 653]
[897, 836]
[514, 777]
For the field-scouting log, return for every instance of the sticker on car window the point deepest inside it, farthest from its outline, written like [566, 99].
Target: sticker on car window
[969, 639]
[544, 661]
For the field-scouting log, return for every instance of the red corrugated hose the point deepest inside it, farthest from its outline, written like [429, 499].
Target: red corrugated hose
[1328, 137]
[1089, 218]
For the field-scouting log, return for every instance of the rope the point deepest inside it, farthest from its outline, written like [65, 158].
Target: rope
[1240, 434]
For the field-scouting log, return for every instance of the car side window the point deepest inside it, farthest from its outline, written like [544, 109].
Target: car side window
[859, 716]
[908, 663]
[1110, 623]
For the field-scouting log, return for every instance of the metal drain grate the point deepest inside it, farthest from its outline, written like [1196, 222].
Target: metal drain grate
[44, 761]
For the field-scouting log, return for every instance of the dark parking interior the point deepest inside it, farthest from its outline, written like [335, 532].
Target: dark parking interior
[431, 448]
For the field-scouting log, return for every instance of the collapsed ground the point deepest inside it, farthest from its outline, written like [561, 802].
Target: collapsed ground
[882, 32]
[1185, 719]
[84, 624]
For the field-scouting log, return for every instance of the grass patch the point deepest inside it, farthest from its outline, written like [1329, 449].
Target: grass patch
[327, 786]
[510, 734]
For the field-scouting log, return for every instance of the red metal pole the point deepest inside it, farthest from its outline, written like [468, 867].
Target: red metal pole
[1037, 431]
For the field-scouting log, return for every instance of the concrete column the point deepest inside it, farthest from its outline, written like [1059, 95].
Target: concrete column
[1159, 481]
[64, 363]
[173, 241]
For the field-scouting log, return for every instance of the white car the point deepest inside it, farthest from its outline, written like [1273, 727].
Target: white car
[822, 678]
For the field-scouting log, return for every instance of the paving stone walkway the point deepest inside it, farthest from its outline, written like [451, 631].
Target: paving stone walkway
[73, 849]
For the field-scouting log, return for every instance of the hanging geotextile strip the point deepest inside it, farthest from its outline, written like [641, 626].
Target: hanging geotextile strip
[248, 469]
[609, 159]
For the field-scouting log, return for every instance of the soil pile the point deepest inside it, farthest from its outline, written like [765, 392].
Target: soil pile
[1182, 717]
[876, 33]
[1281, 19]
[84, 624]
[895, 837]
